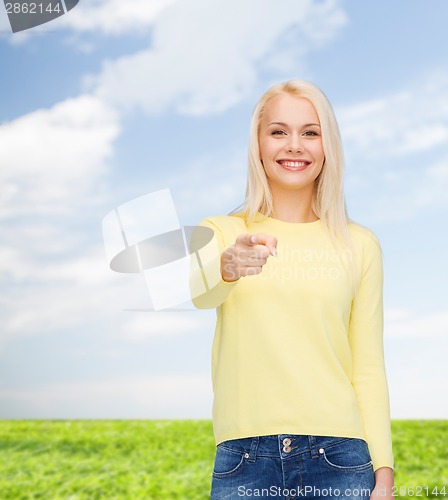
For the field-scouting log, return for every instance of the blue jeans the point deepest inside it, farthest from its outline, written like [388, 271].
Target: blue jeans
[290, 466]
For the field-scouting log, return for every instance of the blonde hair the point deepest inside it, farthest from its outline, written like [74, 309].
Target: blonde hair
[328, 201]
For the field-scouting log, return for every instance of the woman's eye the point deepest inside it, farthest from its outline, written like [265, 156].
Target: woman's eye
[310, 133]
[278, 132]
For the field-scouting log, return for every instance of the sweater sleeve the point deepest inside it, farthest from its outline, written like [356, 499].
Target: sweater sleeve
[366, 343]
[208, 289]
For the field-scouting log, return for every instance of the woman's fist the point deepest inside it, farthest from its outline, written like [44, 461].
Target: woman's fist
[247, 255]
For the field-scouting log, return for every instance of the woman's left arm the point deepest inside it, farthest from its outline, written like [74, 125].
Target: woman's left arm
[368, 368]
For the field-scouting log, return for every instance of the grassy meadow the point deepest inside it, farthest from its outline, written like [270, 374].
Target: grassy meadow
[168, 459]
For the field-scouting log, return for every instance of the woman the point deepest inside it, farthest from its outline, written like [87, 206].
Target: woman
[301, 405]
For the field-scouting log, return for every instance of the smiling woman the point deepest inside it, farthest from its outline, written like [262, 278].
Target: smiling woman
[300, 390]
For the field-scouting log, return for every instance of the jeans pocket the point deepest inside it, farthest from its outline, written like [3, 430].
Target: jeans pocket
[227, 461]
[349, 454]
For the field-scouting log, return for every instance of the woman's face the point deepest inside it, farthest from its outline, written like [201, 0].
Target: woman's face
[290, 143]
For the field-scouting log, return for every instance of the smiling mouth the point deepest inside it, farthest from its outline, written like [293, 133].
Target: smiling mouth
[294, 164]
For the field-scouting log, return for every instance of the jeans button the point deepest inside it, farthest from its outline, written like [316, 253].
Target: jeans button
[286, 442]
[287, 449]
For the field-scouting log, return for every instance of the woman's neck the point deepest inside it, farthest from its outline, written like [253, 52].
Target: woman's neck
[293, 206]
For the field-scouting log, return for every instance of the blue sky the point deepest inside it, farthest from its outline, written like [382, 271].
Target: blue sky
[119, 99]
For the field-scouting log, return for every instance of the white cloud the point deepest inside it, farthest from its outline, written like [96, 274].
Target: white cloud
[64, 292]
[404, 324]
[432, 189]
[415, 347]
[402, 123]
[53, 156]
[162, 396]
[105, 17]
[401, 193]
[142, 326]
[53, 161]
[38, 308]
[416, 395]
[210, 191]
[21, 265]
[210, 62]
[396, 148]
[113, 17]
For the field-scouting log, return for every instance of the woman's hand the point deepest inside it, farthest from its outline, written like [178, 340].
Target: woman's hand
[384, 482]
[247, 255]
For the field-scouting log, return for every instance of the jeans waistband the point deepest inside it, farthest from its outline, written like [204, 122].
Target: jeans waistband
[281, 445]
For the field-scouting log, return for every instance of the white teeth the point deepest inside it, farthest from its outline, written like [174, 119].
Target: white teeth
[294, 164]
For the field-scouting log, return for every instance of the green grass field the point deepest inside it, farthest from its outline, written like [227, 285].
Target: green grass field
[168, 459]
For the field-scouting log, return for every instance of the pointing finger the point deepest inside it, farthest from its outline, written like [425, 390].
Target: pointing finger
[267, 240]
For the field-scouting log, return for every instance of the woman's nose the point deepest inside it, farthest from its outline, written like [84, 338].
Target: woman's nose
[294, 145]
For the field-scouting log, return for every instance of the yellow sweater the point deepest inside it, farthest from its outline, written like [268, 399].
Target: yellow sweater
[296, 350]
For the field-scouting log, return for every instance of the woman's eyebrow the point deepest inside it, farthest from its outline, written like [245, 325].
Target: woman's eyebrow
[285, 124]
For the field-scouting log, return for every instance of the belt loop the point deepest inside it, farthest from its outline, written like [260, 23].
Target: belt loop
[253, 449]
[313, 447]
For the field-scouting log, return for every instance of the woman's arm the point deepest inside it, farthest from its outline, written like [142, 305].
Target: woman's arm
[220, 267]
[207, 287]
[366, 342]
